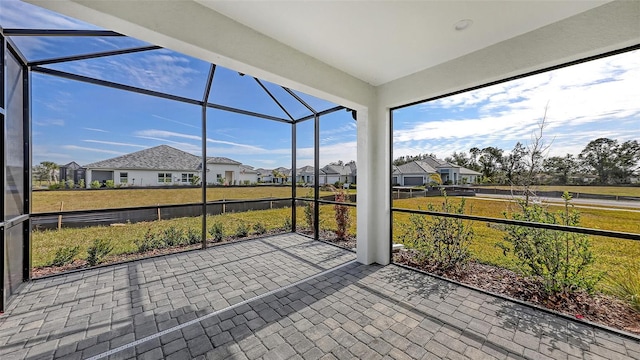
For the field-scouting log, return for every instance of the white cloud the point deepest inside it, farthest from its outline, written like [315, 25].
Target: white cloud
[114, 143]
[96, 130]
[601, 94]
[164, 134]
[50, 122]
[81, 148]
[175, 121]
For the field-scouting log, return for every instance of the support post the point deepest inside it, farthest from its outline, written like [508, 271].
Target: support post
[374, 180]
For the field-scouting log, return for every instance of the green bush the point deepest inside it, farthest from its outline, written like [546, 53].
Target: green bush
[149, 242]
[287, 226]
[172, 236]
[81, 184]
[193, 237]
[65, 255]
[558, 260]
[56, 186]
[98, 251]
[627, 287]
[442, 242]
[259, 228]
[110, 184]
[242, 230]
[95, 184]
[217, 230]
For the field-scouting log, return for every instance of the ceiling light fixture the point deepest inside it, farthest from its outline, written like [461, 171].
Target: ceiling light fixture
[462, 24]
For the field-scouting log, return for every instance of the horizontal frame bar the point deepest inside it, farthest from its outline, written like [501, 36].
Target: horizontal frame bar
[248, 113]
[572, 229]
[93, 55]
[58, 32]
[150, 207]
[114, 85]
[321, 113]
[337, 203]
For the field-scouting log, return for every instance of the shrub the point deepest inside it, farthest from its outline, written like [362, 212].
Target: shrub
[110, 184]
[81, 184]
[56, 186]
[343, 218]
[242, 230]
[559, 260]
[172, 236]
[442, 242]
[259, 228]
[70, 184]
[247, 182]
[65, 255]
[193, 237]
[287, 226]
[309, 212]
[95, 184]
[98, 251]
[149, 242]
[216, 231]
[627, 287]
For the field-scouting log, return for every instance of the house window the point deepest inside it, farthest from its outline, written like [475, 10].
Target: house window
[164, 177]
[187, 178]
[124, 178]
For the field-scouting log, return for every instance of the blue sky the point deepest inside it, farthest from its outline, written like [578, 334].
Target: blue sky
[81, 122]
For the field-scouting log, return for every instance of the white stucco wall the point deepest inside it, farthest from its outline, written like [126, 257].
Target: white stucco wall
[213, 170]
[252, 177]
[143, 177]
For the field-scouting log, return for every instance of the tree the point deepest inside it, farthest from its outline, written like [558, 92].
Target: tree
[459, 158]
[627, 159]
[50, 168]
[561, 168]
[489, 160]
[600, 154]
[513, 164]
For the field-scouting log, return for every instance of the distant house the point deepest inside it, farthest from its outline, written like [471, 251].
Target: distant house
[333, 173]
[247, 175]
[71, 171]
[162, 165]
[417, 173]
[305, 174]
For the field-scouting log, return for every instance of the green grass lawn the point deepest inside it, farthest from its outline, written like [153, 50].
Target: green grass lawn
[46, 201]
[46, 242]
[613, 256]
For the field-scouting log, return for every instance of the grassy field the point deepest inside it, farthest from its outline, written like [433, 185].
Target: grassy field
[46, 201]
[612, 255]
[46, 242]
[601, 190]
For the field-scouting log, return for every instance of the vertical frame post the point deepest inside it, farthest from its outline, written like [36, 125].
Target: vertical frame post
[26, 146]
[3, 160]
[316, 176]
[294, 145]
[203, 180]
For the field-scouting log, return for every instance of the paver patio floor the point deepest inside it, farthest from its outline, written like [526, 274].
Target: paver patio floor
[282, 297]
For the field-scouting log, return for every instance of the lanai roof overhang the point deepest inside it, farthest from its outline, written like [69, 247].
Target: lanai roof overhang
[373, 56]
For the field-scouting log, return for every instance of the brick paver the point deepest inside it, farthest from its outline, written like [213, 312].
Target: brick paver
[355, 311]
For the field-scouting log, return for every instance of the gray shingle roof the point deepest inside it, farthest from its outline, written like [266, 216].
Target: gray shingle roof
[245, 169]
[416, 167]
[221, 160]
[159, 157]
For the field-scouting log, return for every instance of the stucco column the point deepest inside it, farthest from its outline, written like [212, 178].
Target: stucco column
[373, 186]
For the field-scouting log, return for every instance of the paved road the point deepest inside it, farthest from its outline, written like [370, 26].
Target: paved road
[583, 203]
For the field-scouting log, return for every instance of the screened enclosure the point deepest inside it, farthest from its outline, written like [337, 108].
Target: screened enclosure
[93, 94]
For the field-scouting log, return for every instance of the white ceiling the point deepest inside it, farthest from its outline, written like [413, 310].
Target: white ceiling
[380, 41]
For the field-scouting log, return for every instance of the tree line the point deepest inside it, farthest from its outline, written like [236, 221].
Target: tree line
[609, 160]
